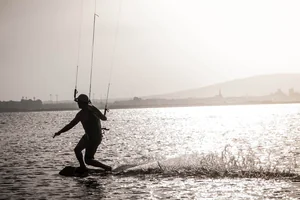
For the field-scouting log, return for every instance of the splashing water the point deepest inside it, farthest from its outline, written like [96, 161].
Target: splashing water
[227, 164]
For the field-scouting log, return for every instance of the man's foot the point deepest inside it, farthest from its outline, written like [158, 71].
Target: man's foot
[108, 169]
[81, 170]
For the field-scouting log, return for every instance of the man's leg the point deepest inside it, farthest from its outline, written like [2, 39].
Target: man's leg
[78, 149]
[89, 157]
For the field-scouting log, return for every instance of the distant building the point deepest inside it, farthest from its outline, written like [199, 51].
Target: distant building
[291, 92]
[294, 95]
[220, 93]
[23, 105]
[279, 96]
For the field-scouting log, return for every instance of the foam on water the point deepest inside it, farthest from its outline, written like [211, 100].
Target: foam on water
[214, 165]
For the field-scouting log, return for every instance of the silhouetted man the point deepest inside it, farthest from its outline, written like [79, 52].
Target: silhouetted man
[90, 117]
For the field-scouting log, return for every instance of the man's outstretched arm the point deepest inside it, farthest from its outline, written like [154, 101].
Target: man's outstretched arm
[68, 126]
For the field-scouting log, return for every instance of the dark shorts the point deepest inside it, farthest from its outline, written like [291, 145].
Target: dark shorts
[89, 145]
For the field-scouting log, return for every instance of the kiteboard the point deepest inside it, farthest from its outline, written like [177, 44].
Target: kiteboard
[70, 171]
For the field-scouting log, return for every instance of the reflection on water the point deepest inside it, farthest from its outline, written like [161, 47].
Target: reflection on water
[222, 152]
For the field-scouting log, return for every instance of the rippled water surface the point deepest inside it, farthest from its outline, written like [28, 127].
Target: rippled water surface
[222, 152]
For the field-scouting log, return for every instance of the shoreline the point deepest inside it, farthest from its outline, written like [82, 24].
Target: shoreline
[116, 107]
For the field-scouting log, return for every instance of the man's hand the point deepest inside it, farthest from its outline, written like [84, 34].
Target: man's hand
[56, 134]
[105, 111]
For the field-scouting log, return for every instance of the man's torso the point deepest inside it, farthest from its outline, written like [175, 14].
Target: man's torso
[91, 124]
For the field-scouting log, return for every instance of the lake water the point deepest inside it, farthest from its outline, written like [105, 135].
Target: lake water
[214, 152]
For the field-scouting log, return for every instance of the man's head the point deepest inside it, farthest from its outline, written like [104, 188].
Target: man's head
[82, 100]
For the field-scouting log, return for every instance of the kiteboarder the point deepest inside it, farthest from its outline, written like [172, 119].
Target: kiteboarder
[90, 117]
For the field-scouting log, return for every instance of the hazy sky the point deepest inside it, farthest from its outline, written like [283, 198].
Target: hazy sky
[162, 46]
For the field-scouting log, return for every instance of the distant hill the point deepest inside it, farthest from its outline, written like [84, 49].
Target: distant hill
[252, 86]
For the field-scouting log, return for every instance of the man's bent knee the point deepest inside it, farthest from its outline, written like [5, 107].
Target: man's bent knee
[88, 161]
[77, 150]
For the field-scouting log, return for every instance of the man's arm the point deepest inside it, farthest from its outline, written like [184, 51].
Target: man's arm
[98, 113]
[68, 126]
